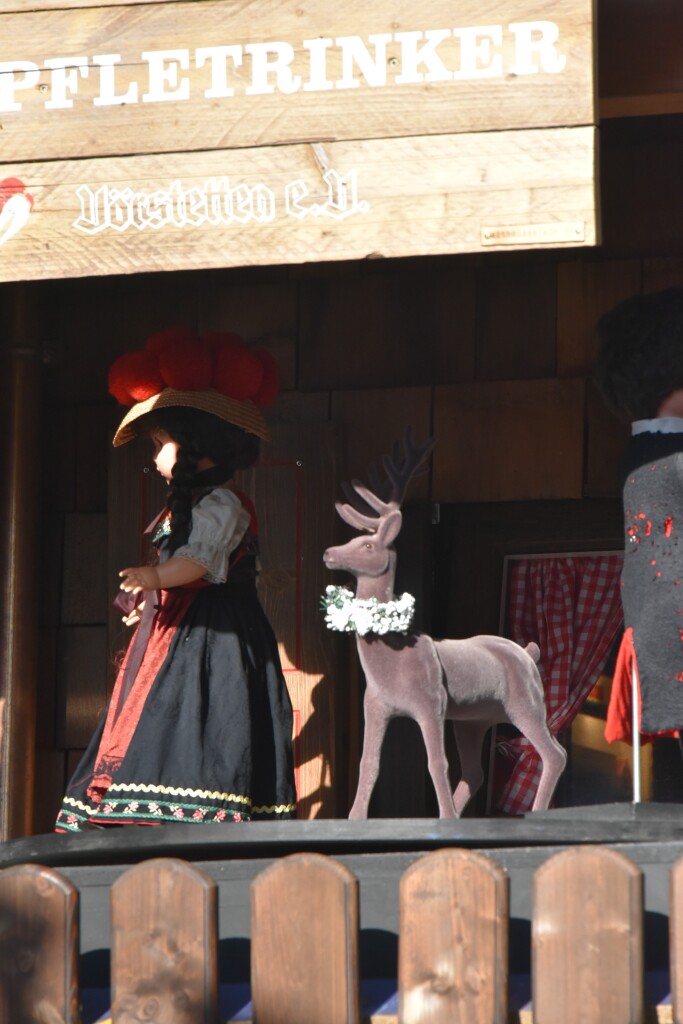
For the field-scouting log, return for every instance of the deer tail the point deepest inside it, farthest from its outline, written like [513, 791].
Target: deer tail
[534, 651]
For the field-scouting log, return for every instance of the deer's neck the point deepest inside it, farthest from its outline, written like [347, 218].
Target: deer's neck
[381, 587]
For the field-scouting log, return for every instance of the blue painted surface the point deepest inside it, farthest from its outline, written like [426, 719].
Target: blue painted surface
[378, 996]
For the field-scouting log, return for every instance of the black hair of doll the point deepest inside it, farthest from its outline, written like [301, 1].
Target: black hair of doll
[198, 435]
[641, 353]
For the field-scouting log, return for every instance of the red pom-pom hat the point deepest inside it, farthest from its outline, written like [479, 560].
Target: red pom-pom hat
[187, 367]
[238, 372]
[135, 377]
[216, 373]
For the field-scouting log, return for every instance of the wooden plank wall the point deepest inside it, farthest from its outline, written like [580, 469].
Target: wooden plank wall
[494, 353]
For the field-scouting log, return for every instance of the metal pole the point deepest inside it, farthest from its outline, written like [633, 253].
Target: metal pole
[635, 733]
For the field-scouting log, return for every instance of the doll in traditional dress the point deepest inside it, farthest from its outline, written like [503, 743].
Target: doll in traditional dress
[199, 727]
[640, 372]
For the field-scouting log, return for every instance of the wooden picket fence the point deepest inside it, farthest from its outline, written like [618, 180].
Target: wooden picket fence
[587, 943]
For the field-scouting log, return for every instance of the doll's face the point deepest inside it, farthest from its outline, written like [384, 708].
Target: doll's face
[165, 453]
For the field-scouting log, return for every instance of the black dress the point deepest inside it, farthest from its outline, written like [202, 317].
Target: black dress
[652, 585]
[199, 726]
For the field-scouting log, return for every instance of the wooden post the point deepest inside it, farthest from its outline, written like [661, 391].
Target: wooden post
[20, 379]
[587, 939]
[304, 942]
[676, 937]
[453, 963]
[164, 944]
[38, 946]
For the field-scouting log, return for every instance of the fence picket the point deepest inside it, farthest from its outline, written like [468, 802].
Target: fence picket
[164, 945]
[38, 946]
[304, 942]
[453, 941]
[676, 938]
[587, 939]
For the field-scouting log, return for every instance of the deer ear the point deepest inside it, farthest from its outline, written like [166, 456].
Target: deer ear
[389, 527]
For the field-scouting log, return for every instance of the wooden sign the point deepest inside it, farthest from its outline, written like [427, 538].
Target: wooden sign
[220, 75]
[346, 200]
[290, 134]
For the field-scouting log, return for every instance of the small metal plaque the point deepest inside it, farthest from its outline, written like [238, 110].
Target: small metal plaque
[534, 234]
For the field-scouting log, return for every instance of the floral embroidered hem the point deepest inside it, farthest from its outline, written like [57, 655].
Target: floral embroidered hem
[75, 816]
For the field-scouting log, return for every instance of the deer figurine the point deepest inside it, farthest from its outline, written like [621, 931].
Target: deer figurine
[475, 683]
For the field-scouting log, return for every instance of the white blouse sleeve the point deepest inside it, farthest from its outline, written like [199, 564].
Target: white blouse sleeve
[219, 522]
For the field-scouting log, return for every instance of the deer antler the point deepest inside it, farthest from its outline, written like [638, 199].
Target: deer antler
[399, 475]
[386, 495]
[354, 517]
[400, 468]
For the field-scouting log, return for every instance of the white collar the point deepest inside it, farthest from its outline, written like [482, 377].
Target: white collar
[661, 425]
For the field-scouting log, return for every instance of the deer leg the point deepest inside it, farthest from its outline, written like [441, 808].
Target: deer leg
[469, 738]
[553, 759]
[376, 720]
[432, 732]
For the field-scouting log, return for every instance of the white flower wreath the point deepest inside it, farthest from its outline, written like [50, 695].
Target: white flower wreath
[348, 614]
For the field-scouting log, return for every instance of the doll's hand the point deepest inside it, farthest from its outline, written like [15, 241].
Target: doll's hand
[134, 617]
[143, 577]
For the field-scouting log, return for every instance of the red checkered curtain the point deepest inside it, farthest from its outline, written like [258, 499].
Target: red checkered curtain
[571, 607]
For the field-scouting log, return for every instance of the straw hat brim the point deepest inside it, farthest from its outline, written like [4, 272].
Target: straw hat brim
[242, 414]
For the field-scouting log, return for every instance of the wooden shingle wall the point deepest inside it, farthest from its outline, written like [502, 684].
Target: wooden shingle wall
[492, 353]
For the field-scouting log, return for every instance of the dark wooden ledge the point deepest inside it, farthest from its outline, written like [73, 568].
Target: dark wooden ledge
[608, 824]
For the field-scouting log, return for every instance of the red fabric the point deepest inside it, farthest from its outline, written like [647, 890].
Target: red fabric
[620, 707]
[619, 712]
[248, 504]
[121, 724]
[571, 607]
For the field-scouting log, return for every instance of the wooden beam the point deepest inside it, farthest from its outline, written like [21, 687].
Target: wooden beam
[19, 523]
[639, 57]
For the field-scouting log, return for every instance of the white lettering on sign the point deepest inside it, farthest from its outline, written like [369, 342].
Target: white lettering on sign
[342, 198]
[217, 57]
[268, 59]
[65, 81]
[426, 54]
[108, 97]
[165, 81]
[318, 80]
[259, 69]
[355, 54]
[14, 77]
[540, 38]
[216, 202]
[478, 58]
